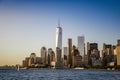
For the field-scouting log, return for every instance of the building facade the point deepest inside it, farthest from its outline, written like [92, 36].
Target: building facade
[76, 57]
[59, 37]
[69, 52]
[58, 46]
[52, 59]
[93, 54]
[32, 59]
[118, 53]
[81, 45]
[65, 52]
[59, 61]
[107, 54]
[48, 56]
[44, 55]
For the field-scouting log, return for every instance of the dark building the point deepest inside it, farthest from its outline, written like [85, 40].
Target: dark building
[90, 47]
[69, 52]
[107, 54]
[65, 53]
[58, 58]
[48, 56]
[92, 53]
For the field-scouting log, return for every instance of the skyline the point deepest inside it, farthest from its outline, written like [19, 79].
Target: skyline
[26, 26]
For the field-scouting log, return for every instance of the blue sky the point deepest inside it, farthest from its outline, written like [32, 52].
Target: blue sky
[27, 25]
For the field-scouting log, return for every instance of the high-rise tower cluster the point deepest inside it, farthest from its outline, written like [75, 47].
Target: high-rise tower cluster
[75, 56]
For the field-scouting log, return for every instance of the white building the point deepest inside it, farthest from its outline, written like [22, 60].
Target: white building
[81, 45]
[59, 37]
[58, 45]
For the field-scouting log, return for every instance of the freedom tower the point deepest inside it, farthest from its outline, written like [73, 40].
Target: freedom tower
[59, 36]
[58, 46]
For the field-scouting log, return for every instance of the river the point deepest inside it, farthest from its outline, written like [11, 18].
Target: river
[59, 74]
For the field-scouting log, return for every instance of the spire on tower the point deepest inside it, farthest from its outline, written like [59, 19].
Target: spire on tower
[58, 22]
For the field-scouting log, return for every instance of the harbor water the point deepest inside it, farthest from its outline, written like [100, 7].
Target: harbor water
[59, 74]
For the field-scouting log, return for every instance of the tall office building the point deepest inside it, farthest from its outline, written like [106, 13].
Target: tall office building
[81, 45]
[91, 47]
[32, 59]
[93, 54]
[59, 61]
[65, 51]
[52, 59]
[52, 56]
[107, 54]
[69, 52]
[118, 55]
[58, 45]
[59, 36]
[76, 57]
[118, 52]
[44, 55]
[48, 56]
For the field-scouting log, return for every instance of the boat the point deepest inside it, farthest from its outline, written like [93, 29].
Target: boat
[18, 68]
[79, 68]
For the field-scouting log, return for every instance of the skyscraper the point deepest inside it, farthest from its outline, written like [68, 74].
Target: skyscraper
[65, 51]
[32, 59]
[58, 45]
[52, 59]
[107, 54]
[43, 55]
[58, 60]
[93, 53]
[118, 52]
[48, 56]
[59, 36]
[81, 45]
[69, 52]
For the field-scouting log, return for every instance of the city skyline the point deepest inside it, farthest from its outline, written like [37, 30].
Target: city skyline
[26, 26]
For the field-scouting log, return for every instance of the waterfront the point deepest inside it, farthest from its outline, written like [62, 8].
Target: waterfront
[60, 74]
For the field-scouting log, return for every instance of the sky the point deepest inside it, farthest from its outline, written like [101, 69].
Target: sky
[28, 25]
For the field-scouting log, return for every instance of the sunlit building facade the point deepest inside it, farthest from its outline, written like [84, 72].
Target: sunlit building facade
[76, 57]
[52, 59]
[118, 52]
[32, 59]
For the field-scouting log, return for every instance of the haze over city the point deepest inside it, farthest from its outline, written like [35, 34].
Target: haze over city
[26, 26]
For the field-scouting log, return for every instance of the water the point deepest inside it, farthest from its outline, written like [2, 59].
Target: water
[52, 74]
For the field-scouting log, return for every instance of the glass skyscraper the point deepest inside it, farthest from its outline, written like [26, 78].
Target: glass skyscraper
[59, 37]
[58, 46]
[81, 45]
